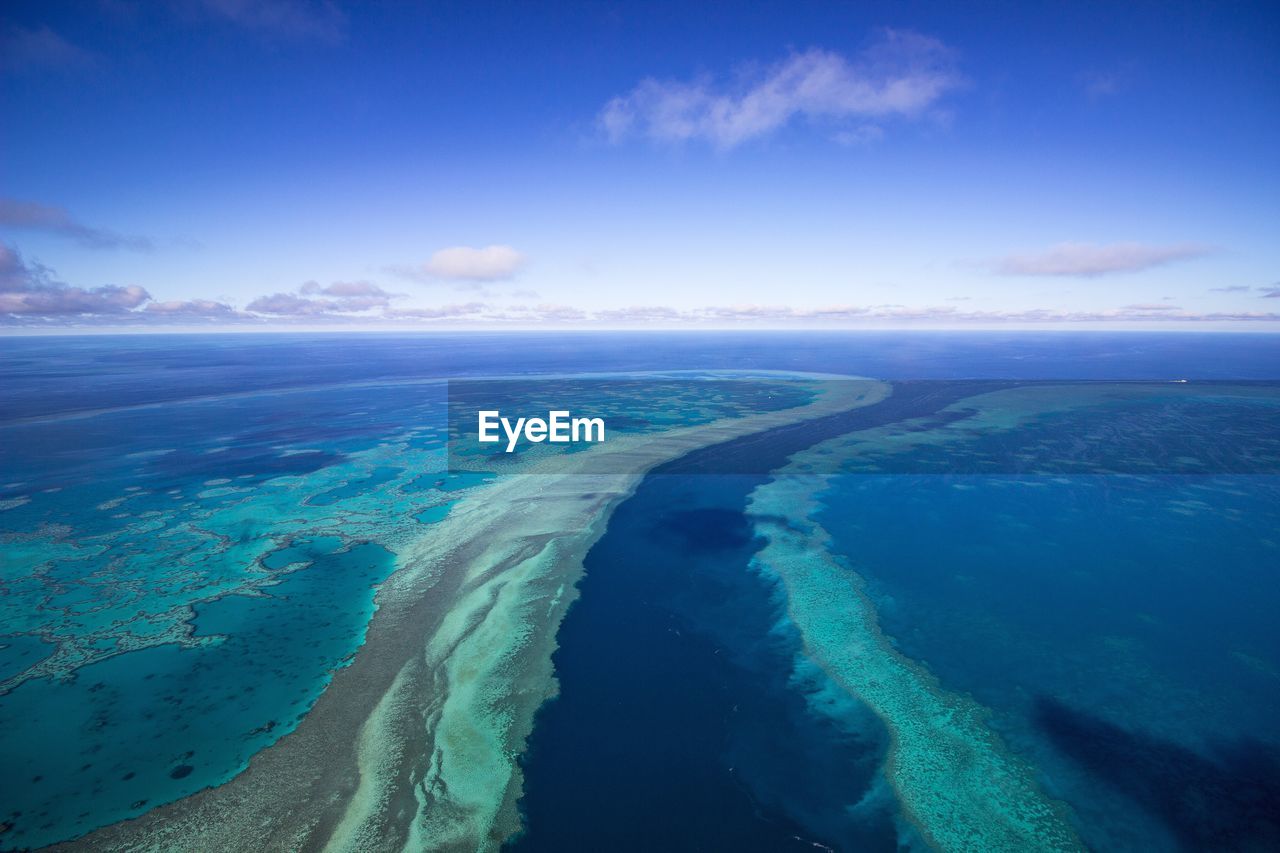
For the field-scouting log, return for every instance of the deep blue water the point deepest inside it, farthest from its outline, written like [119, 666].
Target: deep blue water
[686, 719]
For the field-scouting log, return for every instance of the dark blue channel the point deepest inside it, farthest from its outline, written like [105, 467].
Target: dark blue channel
[687, 717]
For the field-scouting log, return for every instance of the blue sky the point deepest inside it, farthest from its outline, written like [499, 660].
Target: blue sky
[291, 164]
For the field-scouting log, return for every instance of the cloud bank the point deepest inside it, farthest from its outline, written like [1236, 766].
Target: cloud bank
[902, 74]
[193, 309]
[1087, 260]
[315, 300]
[837, 316]
[31, 290]
[33, 216]
[31, 295]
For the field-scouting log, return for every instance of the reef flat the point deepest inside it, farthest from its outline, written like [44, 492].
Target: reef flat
[414, 744]
[188, 576]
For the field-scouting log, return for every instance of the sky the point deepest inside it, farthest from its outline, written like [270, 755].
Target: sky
[208, 164]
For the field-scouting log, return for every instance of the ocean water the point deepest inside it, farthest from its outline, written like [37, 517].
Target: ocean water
[688, 716]
[1109, 616]
[193, 529]
[1123, 635]
[187, 576]
[1120, 628]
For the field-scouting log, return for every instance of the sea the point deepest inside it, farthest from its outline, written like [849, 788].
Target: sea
[1075, 533]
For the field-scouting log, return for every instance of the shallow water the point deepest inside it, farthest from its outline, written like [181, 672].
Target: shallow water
[1121, 630]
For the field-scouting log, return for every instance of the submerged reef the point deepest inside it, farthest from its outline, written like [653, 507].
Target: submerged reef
[955, 781]
[1104, 508]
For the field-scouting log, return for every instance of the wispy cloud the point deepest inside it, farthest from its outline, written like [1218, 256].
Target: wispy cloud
[1102, 84]
[31, 295]
[120, 307]
[902, 74]
[299, 20]
[40, 49]
[641, 314]
[858, 136]
[836, 315]
[202, 309]
[31, 290]
[346, 289]
[33, 216]
[467, 264]
[315, 300]
[461, 311]
[1233, 288]
[551, 312]
[1087, 260]
[290, 304]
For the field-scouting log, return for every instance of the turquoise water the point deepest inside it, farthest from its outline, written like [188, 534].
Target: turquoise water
[1123, 632]
[181, 581]
[140, 729]
[1120, 627]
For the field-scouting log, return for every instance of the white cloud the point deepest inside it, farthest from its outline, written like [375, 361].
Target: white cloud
[346, 289]
[641, 314]
[853, 315]
[467, 310]
[120, 307]
[902, 74]
[201, 308]
[1087, 260]
[288, 304]
[464, 263]
[348, 297]
[31, 290]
